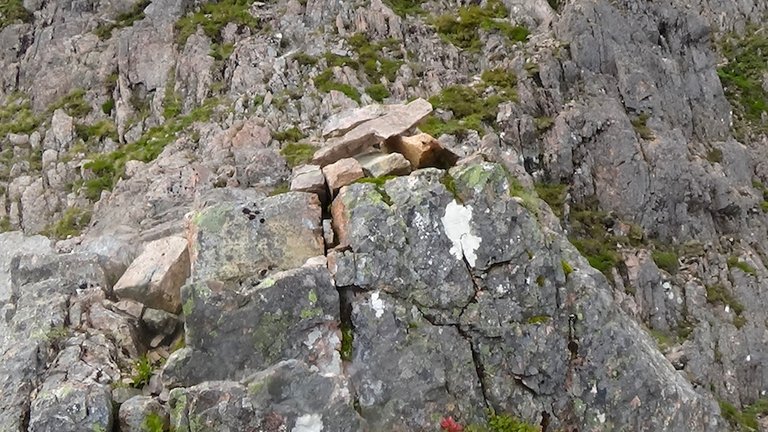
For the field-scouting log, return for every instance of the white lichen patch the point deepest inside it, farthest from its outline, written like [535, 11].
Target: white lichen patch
[456, 223]
[309, 423]
[377, 304]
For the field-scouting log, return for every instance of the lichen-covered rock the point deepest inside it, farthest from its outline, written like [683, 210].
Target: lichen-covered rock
[290, 396]
[474, 269]
[234, 240]
[232, 332]
[378, 164]
[142, 413]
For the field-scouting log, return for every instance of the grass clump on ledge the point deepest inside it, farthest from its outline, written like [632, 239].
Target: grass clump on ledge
[405, 7]
[13, 11]
[462, 29]
[125, 19]
[72, 222]
[109, 167]
[325, 82]
[735, 262]
[16, 116]
[742, 79]
[377, 92]
[472, 106]
[296, 154]
[746, 419]
[666, 260]
[212, 17]
[291, 134]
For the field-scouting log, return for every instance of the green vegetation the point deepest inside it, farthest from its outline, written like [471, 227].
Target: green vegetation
[567, 268]
[5, 224]
[172, 103]
[543, 123]
[470, 105]
[292, 134]
[746, 419]
[221, 52]
[97, 131]
[718, 294]
[325, 82]
[73, 104]
[666, 260]
[503, 423]
[554, 4]
[378, 184]
[640, 123]
[125, 19]
[305, 59]
[371, 57]
[16, 116]
[735, 262]
[715, 156]
[13, 11]
[212, 17]
[281, 189]
[296, 154]
[554, 195]
[742, 78]
[142, 372]
[539, 319]
[462, 28]
[109, 167]
[377, 92]
[153, 423]
[405, 7]
[347, 337]
[72, 222]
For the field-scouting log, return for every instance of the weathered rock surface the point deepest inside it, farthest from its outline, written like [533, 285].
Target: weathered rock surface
[421, 150]
[289, 396]
[237, 239]
[395, 122]
[289, 315]
[309, 178]
[379, 164]
[155, 277]
[341, 173]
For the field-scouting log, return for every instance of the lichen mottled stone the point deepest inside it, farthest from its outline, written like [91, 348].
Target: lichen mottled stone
[229, 333]
[233, 240]
[289, 396]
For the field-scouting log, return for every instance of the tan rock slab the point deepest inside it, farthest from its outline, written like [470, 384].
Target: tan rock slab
[309, 178]
[343, 122]
[384, 164]
[155, 277]
[341, 173]
[421, 150]
[398, 120]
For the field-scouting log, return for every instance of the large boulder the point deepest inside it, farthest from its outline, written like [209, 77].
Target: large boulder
[155, 277]
[236, 239]
[232, 331]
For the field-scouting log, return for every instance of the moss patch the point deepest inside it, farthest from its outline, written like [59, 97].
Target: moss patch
[325, 82]
[296, 154]
[291, 134]
[503, 423]
[640, 124]
[16, 116]
[405, 7]
[744, 420]
[666, 260]
[462, 28]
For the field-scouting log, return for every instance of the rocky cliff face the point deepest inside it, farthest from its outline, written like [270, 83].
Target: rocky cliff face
[223, 216]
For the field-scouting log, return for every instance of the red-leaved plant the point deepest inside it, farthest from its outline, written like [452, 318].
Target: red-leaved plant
[448, 424]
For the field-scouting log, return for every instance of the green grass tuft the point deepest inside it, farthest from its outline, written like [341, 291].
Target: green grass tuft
[325, 83]
[12, 12]
[291, 134]
[142, 372]
[405, 7]
[718, 294]
[666, 260]
[745, 420]
[5, 224]
[212, 17]
[126, 19]
[735, 262]
[153, 423]
[72, 222]
[296, 154]
[640, 124]
[377, 92]
[553, 194]
[461, 29]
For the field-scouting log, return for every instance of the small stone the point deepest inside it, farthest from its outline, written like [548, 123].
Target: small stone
[160, 322]
[341, 173]
[121, 393]
[421, 150]
[131, 307]
[309, 178]
[134, 412]
[328, 234]
[319, 260]
[382, 164]
[156, 341]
